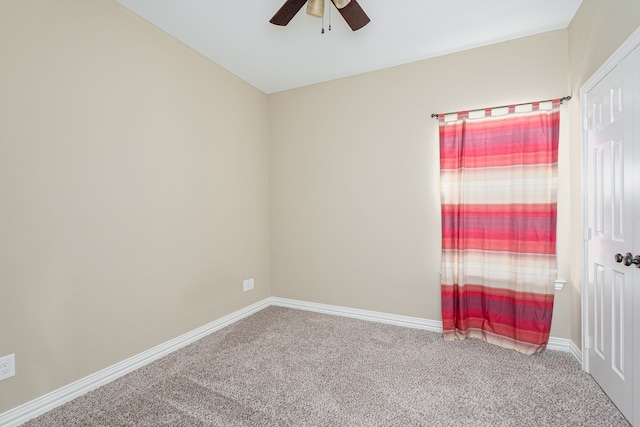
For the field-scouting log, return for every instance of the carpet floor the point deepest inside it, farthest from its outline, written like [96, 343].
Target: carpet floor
[286, 367]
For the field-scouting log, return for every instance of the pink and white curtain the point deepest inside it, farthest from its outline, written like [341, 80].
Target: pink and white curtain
[498, 189]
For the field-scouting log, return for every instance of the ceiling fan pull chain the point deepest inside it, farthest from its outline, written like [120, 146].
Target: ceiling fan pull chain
[330, 17]
[322, 32]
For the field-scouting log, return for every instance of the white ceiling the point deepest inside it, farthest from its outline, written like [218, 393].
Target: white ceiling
[237, 35]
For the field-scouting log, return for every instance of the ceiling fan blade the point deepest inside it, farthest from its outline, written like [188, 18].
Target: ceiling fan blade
[354, 15]
[287, 11]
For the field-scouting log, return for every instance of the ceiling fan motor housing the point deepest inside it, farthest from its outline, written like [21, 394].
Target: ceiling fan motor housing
[315, 8]
[350, 10]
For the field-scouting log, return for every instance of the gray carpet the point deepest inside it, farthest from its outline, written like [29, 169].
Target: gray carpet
[285, 367]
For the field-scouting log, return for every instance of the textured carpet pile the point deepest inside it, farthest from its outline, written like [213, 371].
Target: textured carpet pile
[285, 367]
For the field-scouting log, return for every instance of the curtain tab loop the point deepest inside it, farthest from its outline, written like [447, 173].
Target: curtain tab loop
[488, 112]
[512, 108]
[463, 114]
[535, 106]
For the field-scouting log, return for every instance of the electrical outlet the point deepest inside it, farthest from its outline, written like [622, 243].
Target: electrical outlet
[247, 285]
[7, 366]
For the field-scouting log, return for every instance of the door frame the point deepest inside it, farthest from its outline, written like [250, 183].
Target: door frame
[618, 56]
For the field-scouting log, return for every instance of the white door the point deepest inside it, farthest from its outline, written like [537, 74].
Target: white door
[613, 227]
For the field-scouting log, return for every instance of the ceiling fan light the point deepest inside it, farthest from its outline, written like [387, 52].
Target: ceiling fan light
[315, 8]
[341, 3]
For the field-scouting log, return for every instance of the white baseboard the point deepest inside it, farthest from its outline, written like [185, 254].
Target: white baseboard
[563, 344]
[559, 344]
[577, 353]
[375, 316]
[39, 406]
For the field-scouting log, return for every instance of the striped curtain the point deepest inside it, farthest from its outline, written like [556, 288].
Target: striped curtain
[498, 189]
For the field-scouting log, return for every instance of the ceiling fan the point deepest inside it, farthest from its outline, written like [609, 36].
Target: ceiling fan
[349, 9]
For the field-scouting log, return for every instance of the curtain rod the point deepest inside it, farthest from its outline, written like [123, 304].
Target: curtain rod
[564, 98]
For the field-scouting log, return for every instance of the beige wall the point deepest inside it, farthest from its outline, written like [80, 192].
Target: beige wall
[133, 191]
[596, 31]
[355, 204]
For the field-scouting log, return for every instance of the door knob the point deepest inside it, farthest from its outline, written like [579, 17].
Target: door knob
[628, 259]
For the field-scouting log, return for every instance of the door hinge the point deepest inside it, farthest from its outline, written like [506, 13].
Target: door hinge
[585, 124]
[587, 343]
[586, 235]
